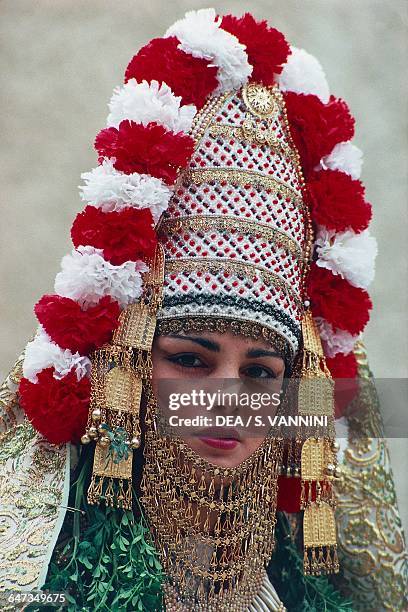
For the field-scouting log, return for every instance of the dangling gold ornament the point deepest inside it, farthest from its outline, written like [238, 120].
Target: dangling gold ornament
[118, 373]
[213, 526]
[318, 456]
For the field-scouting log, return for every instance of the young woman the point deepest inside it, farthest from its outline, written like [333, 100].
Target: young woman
[224, 238]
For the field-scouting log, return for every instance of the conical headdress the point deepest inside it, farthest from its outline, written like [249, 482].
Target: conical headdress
[234, 233]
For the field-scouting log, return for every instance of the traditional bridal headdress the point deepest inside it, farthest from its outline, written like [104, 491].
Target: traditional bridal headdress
[227, 196]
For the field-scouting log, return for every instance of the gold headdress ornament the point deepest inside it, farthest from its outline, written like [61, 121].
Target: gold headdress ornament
[318, 456]
[118, 373]
[213, 526]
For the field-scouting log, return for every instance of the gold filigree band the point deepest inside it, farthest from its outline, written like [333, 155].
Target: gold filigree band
[206, 223]
[246, 133]
[242, 178]
[248, 329]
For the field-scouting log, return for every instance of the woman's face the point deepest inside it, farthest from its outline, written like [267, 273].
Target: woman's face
[221, 357]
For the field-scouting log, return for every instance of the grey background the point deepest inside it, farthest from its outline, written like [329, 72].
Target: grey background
[60, 60]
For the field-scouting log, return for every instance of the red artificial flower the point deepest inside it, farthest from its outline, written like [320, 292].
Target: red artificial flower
[317, 127]
[344, 370]
[149, 149]
[342, 366]
[75, 329]
[266, 47]
[192, 78]
[58, 409]
[333, 298]
[337, 201]
[126, 235]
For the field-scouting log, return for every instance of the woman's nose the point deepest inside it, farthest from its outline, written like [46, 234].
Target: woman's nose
[226, 369]
[225, 380]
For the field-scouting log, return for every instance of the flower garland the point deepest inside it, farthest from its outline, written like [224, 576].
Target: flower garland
[140, 152]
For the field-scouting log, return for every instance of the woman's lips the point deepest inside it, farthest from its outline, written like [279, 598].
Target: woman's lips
[224, 438]
[222, 443]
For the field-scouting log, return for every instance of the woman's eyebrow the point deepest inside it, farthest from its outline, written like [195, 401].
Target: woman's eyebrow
[207, 344]
[254, 353]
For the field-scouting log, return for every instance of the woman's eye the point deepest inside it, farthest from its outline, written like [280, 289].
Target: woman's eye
[258, 371]
[187, 360]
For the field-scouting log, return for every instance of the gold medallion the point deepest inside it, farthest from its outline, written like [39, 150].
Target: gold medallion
[259, 100]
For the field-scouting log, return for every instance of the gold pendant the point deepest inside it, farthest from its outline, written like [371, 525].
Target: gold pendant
[136, 328]
[123, 390]
[118, 371]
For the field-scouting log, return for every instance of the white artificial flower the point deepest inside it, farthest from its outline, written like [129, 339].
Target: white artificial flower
[108, 189]
[200, 35]
[303, 74]
[345, 157]
[348, 254]
[335, 341]
[42, 353]
[146, 102]
[86, 277]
